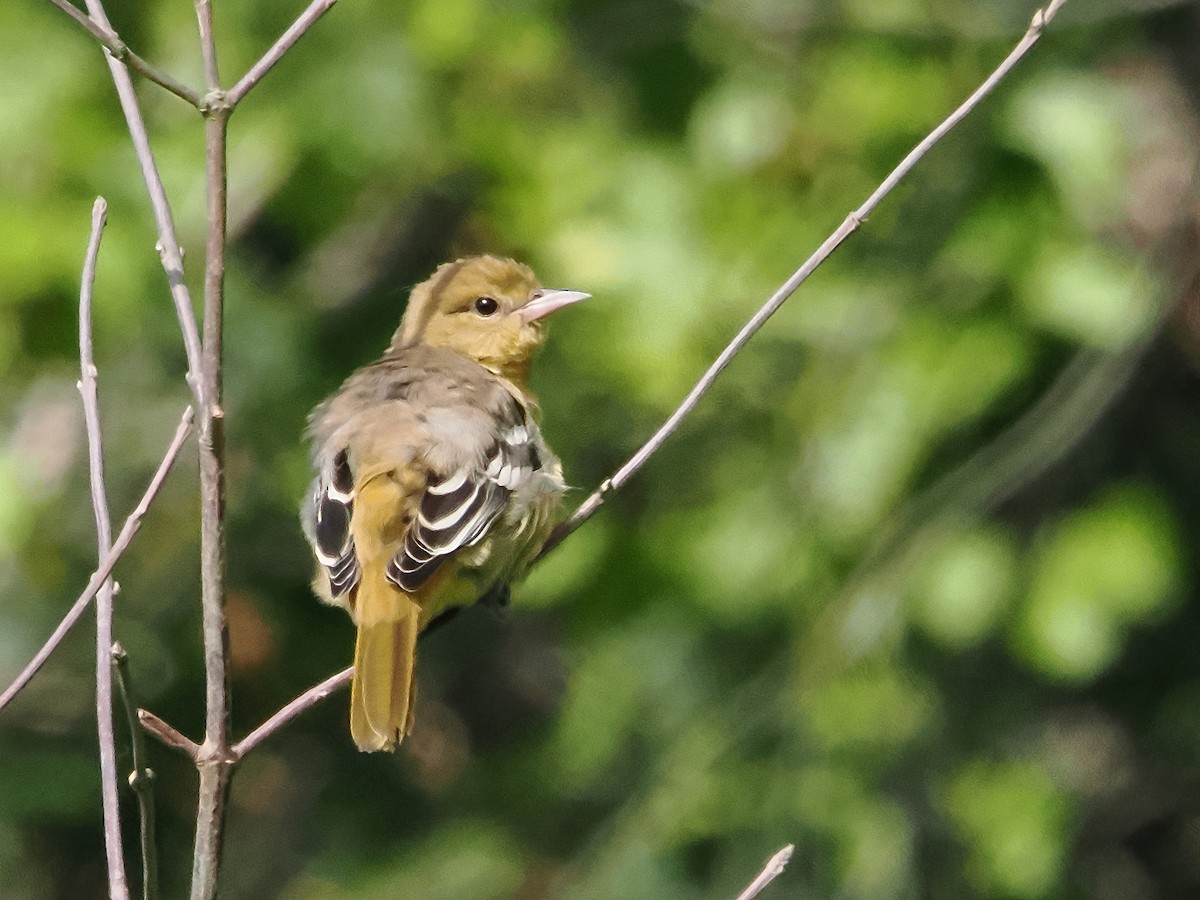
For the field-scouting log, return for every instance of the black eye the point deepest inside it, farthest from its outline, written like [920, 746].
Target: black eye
[486, 306]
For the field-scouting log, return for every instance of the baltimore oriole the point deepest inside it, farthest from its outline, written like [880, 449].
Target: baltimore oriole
[434, 486]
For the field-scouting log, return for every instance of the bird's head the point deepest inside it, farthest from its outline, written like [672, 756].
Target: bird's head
[488, 309]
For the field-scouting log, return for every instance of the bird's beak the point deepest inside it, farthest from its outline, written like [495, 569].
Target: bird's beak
[545, 302]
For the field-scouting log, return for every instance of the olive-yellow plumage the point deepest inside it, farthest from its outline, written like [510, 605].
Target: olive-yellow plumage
[434, 486]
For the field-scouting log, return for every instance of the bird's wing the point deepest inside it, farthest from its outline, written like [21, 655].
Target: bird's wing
[332, 506]
[458, 507]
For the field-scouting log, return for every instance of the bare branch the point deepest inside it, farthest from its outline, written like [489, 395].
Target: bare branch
[304, 702]
[120, 51]
[128, 530]
[772, 870]
[168, 734]
[212, 443]
[141, 779]
[114, 854]
[307, 19]
[208, 46]
[169, 250]
[214, 761]
[589, 506]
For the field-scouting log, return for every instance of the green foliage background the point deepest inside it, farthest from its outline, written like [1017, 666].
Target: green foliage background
[914, 588]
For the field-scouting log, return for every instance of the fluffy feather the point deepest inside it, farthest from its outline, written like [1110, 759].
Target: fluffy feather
[434, 487]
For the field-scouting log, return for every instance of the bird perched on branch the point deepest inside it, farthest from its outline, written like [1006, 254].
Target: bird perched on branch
[434, 486]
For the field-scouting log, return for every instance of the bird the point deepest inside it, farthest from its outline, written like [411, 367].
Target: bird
[434, 487]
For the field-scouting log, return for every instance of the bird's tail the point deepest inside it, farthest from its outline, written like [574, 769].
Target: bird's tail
[383, 691]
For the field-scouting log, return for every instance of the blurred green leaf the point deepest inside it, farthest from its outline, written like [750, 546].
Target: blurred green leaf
[1109, 566]
[1088, 294]
[1014, 822]
[965, 586]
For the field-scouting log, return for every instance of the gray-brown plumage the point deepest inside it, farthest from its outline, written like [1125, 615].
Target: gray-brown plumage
[434, 486]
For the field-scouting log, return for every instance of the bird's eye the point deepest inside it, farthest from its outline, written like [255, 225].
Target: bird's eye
[486, 306]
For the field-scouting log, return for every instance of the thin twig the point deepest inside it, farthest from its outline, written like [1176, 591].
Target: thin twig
[128, 530]
[589, 506]
[141, 779]
[117, 886]
[169, 251]
[305, 701]
[120, 51]
[307, 19]
[208, 46]
[772, 870]
[168, 734]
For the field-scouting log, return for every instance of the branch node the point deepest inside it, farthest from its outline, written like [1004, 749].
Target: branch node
[855, 220]
[215, 103]
[209, 755]
[141, 779]
[168, 734]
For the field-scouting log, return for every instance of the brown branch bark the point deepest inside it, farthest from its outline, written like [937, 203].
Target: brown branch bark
[118, 888]
[215, 761]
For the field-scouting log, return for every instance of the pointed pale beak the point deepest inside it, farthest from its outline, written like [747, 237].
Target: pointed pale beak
[545, 302]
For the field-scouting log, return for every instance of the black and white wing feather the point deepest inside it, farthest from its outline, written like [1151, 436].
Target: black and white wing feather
[333, 542]
[457, 509]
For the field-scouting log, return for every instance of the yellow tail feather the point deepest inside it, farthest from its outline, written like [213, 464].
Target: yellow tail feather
[382, 694]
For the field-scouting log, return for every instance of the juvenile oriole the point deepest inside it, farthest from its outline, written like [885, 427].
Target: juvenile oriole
[434, 486]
